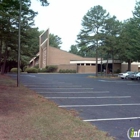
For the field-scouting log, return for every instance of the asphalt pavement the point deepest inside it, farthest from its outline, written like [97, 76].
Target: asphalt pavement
[110, 104]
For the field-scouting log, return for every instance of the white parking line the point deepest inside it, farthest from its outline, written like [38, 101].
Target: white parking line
[103, 105]
[104, 97]
[43, 84]
[114, 81]
[112, 119]
[31, 75]
[75, 92]
[54, 86]
[50, 84]
[133, 84]
[61, 88]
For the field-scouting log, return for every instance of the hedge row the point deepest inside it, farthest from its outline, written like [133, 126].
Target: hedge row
[43, 70]
[31, 70]
[49, 69]
[14, 70]
[67, 71]
[36, 69]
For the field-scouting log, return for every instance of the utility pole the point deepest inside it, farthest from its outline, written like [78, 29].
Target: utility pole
[19, 30]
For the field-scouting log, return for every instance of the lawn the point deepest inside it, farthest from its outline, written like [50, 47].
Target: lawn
[26, 115]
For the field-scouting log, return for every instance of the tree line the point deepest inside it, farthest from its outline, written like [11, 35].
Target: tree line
[9, 25]
[102, 35]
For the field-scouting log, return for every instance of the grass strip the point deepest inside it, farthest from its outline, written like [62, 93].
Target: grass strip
[26, 115]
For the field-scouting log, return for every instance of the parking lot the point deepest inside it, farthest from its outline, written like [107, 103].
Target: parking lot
[110, 104]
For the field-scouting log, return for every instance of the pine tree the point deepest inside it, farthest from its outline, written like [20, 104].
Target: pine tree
[93, 23]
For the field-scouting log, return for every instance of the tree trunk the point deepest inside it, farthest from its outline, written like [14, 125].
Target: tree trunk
[97, 55]
[101, 64]
[112, 64]
[4, 61]
[129, 65]
[107, 65]
[0, 51]
[97, 62]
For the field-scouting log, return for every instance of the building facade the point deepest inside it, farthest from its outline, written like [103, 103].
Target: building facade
[64, 60]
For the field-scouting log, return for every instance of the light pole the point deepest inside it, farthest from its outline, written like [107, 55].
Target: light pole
[19, 29]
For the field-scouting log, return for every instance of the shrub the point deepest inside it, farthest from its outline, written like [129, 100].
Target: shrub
[42, 70]
[31, 70]
[36, 66]
[24, 68]
[60, 71]
[73, 71]
[14, 70]
[67, 71]
[51, 68]
[118, 71]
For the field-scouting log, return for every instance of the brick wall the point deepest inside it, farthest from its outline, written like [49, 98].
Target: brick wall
[117, 67]
[86, 69]
[57, 57]
[67, 66]
[44, 58]
[124, 67]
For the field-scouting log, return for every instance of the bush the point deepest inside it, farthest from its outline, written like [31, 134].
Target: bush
[62, 71]
[31, 70]
[51, 68]
[67, 71]
[118, 71]
[36, 66]
[14, 70]
[24, 68]
[42, 70]
[73, 71]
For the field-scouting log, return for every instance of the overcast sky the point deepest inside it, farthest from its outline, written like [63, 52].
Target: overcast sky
[63, 17]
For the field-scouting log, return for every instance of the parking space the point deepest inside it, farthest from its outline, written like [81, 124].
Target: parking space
[110, 104]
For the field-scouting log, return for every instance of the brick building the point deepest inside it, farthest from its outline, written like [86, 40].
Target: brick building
[48, 55]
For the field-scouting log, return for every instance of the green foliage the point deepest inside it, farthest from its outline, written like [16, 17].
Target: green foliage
[32, 42]
[31, 70]
[61, 71]
[51, 68]
[43, 70]
[86, 52]
[36, 66]
[9, 19]
[44, 2]
[54, 41]
[118, 71]
[14, 70]
[93, 25]
[82, 51]
[9, 24]
[24, 68]
[129, 44]
[67, 71]
[73, 49]
[129, 41]
[136, 12]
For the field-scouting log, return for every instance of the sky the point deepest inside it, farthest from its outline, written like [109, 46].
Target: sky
[63, 17]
